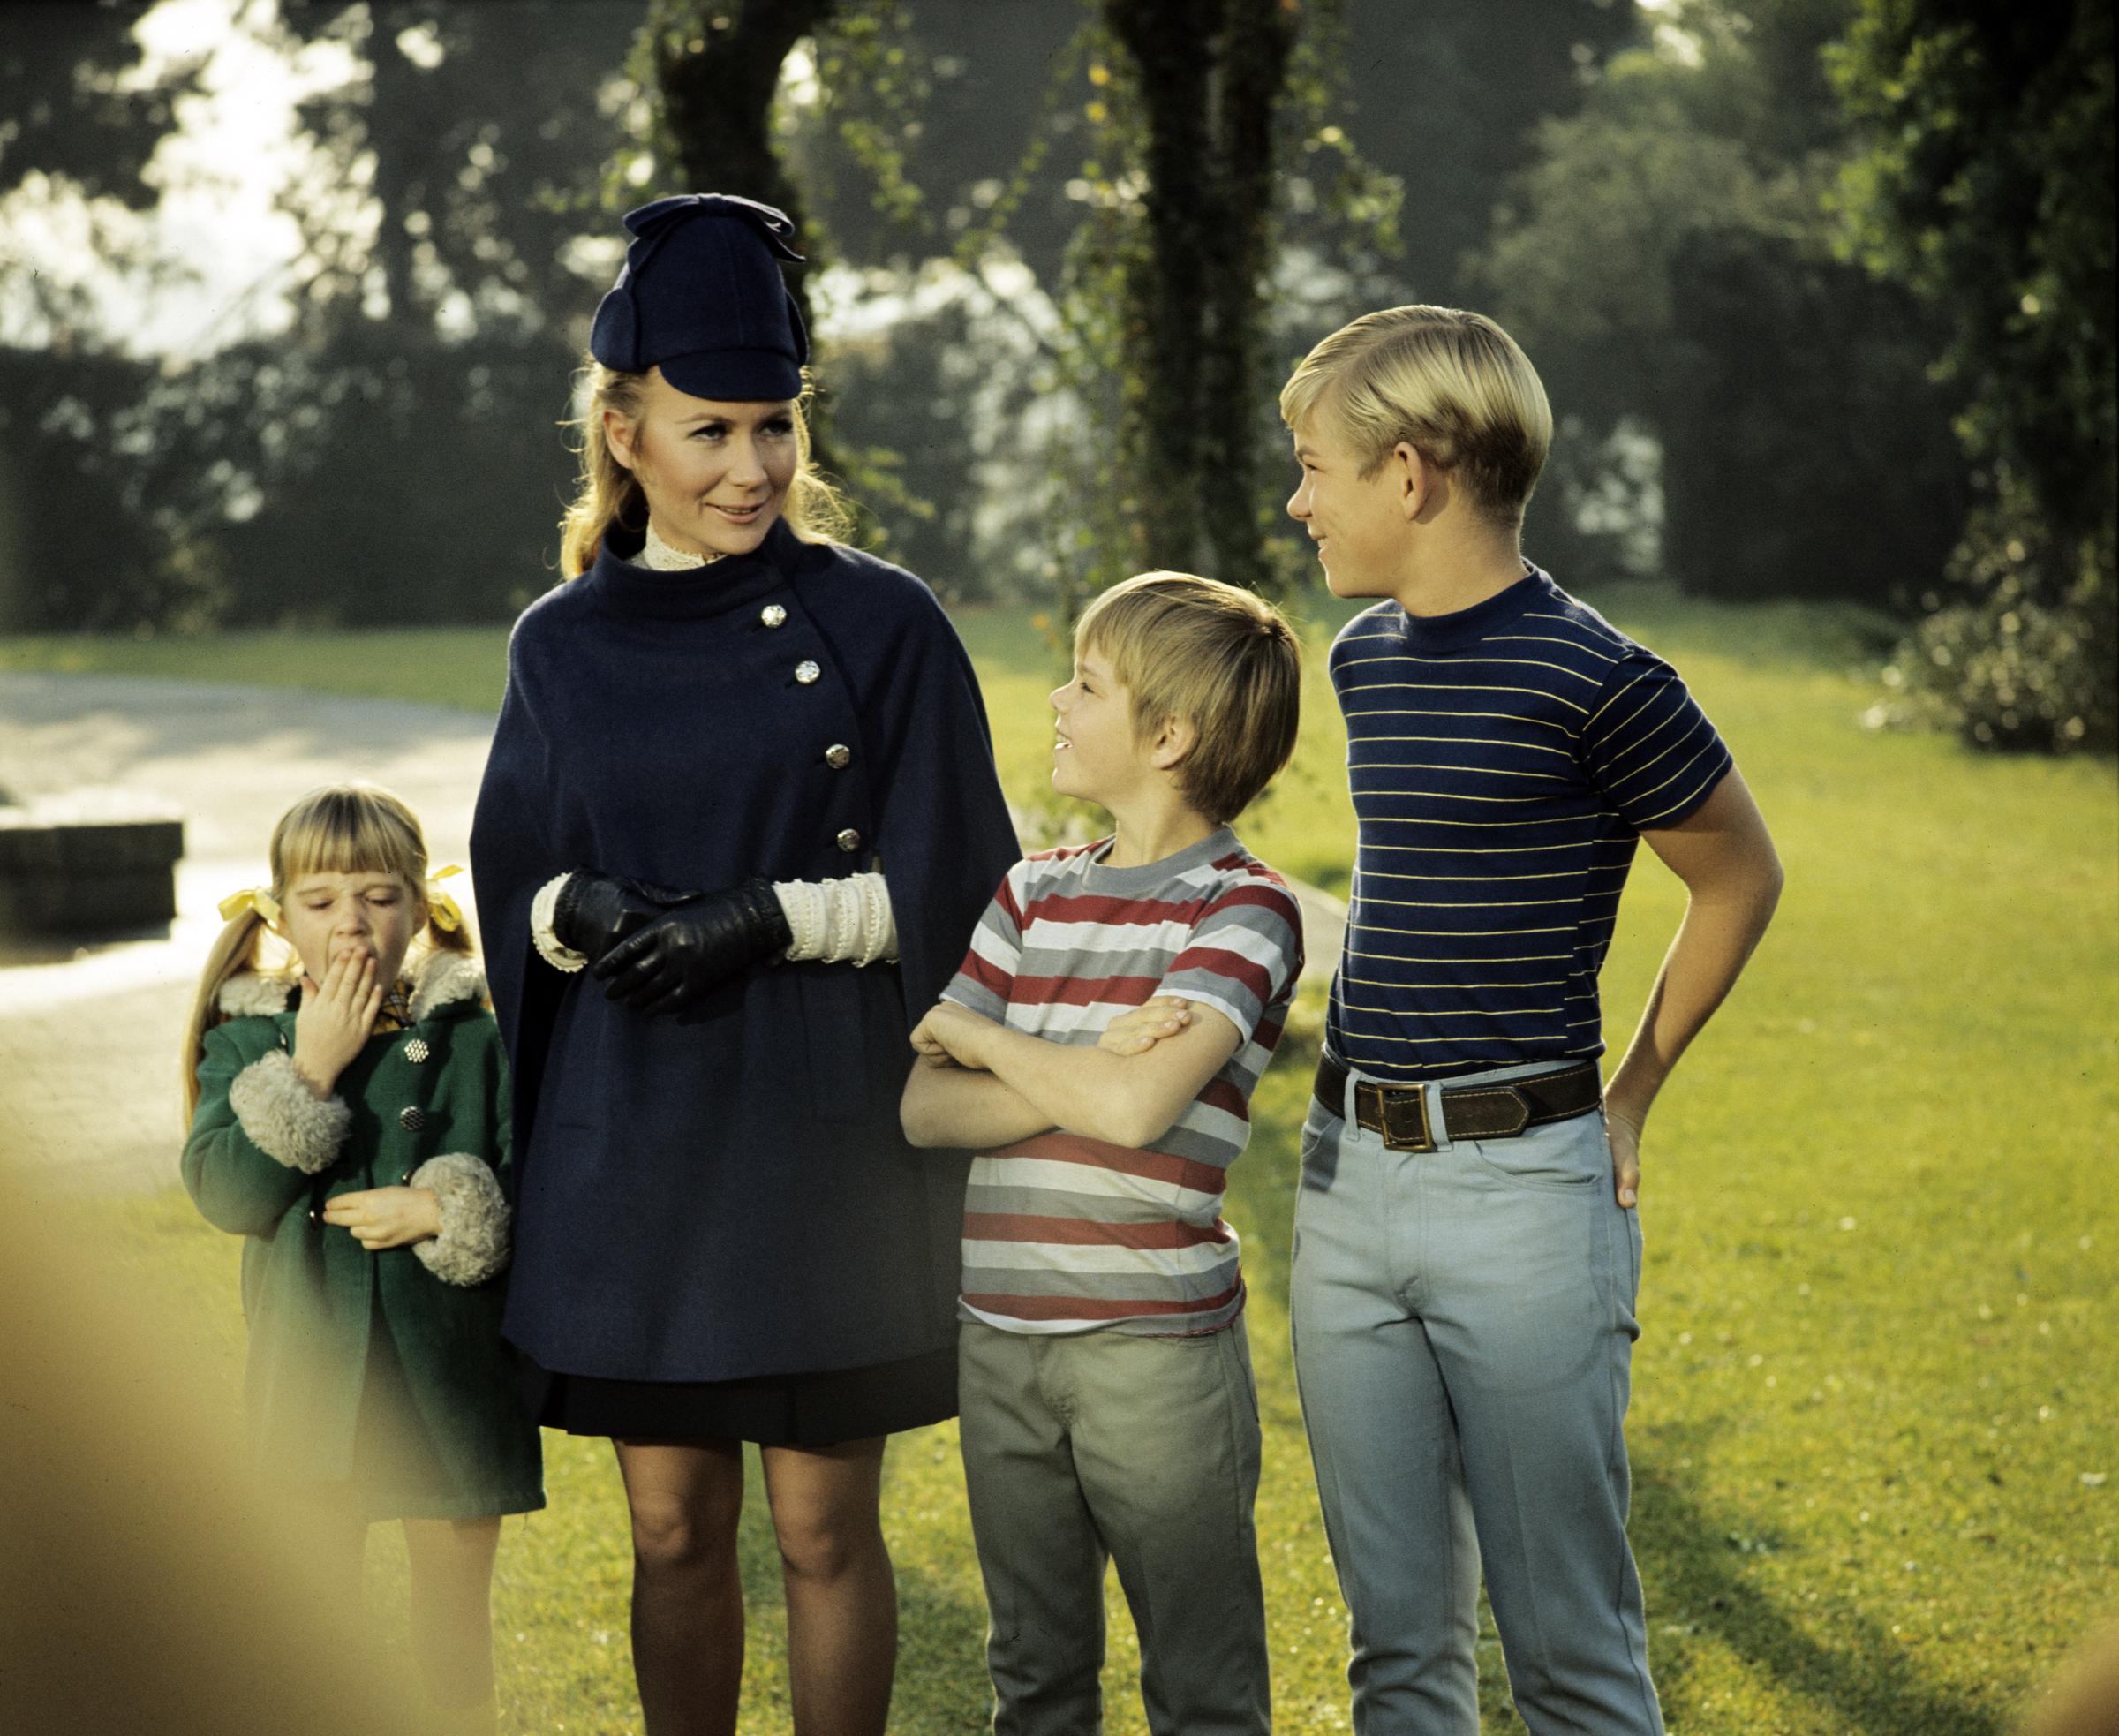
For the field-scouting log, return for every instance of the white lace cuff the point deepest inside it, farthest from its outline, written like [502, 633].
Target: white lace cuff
[840, 922]
[550, 948]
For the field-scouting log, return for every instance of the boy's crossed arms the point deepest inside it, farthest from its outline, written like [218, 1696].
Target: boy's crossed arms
[980, 1084]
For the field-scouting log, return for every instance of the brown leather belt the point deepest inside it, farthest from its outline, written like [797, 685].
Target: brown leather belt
[1499, 1111]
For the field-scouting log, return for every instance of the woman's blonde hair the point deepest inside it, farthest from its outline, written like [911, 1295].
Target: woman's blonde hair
[356, 829]
[608, 494]
[1216, 655]
[1451, 385]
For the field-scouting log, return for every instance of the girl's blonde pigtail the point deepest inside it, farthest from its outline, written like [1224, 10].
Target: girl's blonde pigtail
[234, 952]
[445, 940]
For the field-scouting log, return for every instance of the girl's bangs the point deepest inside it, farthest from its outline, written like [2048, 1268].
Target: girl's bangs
[347, 832]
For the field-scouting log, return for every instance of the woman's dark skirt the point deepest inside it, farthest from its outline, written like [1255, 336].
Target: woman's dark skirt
[824, 1408]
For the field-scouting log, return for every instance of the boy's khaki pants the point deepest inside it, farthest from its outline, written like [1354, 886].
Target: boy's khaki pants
[1090, 1446]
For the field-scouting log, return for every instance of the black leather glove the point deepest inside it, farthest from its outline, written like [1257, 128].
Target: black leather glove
[594, 911]
[673, 962]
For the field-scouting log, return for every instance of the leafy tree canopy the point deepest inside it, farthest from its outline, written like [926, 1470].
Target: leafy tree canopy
[1668, 261]
[1984, 183]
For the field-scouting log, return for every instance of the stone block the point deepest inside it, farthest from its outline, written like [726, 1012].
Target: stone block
[87, 861]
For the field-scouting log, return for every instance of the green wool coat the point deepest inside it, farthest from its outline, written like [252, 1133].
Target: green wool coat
[370, 1367]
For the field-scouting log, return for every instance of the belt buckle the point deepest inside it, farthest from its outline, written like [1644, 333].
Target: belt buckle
[1400, 1105]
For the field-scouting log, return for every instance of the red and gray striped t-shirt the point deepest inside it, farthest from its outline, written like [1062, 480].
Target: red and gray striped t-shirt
[1065, 1233]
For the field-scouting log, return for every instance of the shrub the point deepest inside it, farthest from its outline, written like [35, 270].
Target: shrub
[2032, 662]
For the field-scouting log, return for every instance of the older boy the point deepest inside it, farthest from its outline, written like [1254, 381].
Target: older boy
[1468, 1258]
[1105, 1385]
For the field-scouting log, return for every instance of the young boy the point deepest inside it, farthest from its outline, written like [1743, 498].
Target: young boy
[1105, 1385]
[1463, 1301]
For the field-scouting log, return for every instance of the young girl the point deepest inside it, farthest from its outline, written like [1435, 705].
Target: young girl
[349, 1118]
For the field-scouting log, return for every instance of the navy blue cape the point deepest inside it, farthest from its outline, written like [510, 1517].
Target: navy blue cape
[729, 1195]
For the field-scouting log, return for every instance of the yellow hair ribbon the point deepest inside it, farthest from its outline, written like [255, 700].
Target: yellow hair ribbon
[444, 909]
[256, 898]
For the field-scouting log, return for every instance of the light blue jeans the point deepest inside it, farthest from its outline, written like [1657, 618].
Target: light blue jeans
[1463, 1324]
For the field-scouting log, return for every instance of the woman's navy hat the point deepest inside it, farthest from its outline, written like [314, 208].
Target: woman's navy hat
[700, 296]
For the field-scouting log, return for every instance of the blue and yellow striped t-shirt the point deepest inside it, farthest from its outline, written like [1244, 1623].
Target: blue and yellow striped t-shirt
[1504, 761]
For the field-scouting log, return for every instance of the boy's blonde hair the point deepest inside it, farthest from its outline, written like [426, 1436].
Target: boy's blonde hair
[607, 494]
[354, 828]
[1220, 657]
[1452, 385]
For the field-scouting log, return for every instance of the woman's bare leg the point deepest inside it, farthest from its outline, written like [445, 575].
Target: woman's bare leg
[450, 1567]
[842, 1601]
[686, 1498]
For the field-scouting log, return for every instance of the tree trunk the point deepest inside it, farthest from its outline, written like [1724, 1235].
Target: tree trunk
[1212, 72]
[718, 64]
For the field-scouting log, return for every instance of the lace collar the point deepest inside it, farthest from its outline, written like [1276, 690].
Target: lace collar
[661, 557]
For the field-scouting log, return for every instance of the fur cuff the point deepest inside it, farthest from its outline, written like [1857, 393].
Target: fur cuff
[473, 1242]
[284, 1119]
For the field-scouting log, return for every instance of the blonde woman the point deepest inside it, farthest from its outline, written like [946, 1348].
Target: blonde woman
[739, 819]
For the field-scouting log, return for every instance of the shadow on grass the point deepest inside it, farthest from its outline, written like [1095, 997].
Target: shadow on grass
[1863, 1678]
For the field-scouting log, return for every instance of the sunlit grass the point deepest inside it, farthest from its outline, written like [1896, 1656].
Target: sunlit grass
[464, 667]
[1876, 1390]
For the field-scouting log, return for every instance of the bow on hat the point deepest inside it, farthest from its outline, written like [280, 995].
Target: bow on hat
[649, 222]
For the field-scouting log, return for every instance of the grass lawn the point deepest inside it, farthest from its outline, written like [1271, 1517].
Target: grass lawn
[1874, 1399]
